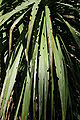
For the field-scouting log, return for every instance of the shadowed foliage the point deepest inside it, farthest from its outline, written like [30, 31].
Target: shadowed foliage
[39, 60]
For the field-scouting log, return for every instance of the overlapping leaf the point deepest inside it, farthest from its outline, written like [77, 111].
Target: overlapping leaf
[43, 74]
[6, 16]
[74, 32]
[50, 47]
[37, 68]
[9, 82]
[61, 71]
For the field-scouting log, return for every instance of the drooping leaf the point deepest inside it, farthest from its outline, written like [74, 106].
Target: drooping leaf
[9, 82]
[19, 103]
[6, 16]
[61, 71]
[68, 6]
[31, 23]
[34, 58]
[26, 99]
[50, 47]
[22, 91]
[43, 74]
[74, 32]
[34, 89]
[11, 30]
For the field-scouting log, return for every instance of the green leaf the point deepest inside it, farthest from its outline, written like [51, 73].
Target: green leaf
[61, 72]
[9, 82]
[50, 47]
[31, 23]
[34, 58]
[11, 30]
[8, 15]
[33, 63]
[34, 89]
[19, 103]
[0, 6]
[68, 6]
[75, 33]
[0, 2]
[26, 99]
[43, 74]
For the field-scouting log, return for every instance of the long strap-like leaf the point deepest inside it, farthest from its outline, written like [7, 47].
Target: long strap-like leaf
[61, 71]
[9, 82]
[50, 46]
[23, 6]
[74, 32]
[43, 74]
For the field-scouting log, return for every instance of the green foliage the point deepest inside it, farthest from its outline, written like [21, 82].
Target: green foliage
[40, 46]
